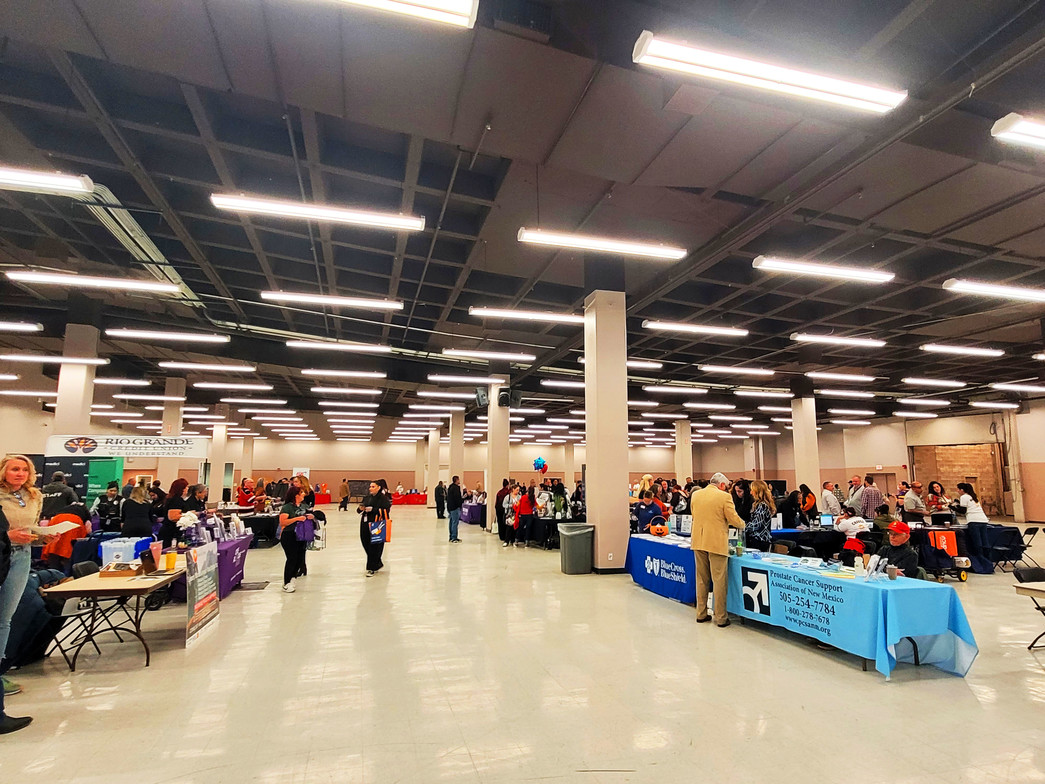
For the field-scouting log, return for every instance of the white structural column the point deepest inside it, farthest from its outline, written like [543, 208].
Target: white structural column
[569, 466]
[246, 464]
[1015, 461]
[606, 428]
[167, 467]
[683, 450]
[807, 450]
[457, 444]
[497, 452]
[216, 456]
[76, 382]
[420, 453]
[433, 465]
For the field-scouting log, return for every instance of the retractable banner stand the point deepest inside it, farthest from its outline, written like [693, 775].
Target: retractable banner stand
[201, 591]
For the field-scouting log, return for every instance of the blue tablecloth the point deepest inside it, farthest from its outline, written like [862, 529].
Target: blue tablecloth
[662, 567]
[870, 619]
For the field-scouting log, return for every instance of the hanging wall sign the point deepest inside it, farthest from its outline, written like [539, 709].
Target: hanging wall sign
[128, 446]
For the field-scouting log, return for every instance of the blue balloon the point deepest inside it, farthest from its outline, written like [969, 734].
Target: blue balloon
[539, 463]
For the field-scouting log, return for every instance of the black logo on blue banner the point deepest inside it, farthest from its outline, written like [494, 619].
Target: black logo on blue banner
[756, 590]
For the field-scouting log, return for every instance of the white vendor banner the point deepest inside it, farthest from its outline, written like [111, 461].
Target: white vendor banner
[129, 446]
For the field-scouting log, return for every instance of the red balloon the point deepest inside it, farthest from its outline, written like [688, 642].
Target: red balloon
[544, 468]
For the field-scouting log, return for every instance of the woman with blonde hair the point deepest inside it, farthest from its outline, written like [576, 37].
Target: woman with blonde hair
[756, 533]
[20, 504]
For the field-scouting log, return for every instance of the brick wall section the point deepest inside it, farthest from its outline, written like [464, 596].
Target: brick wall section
[974, 463]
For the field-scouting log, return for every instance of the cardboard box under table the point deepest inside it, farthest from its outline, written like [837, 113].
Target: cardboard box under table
[883, 620]
[109, 598]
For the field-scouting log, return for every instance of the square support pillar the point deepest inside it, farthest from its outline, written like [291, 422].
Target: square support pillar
[167, 467]
[420, 452]
[72, 413]
[807, 449]
[433, 465]
[683, 450]
[497, 451]
[606, 428]
[457, 444]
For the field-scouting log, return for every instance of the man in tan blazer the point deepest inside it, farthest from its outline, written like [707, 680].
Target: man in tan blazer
[713, 514]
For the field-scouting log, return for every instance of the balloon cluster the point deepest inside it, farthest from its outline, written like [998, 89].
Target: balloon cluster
[540, 464]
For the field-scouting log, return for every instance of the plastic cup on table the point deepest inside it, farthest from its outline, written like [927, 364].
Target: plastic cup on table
[170, 561]
[156, 548]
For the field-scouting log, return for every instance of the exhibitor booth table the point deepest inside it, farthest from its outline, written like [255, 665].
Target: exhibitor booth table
[264, 528]
[473, 513]
[232, 557]
[417, 499]
[881, 620]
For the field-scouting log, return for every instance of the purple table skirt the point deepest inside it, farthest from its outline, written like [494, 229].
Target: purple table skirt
[473, 513]
[232, 556]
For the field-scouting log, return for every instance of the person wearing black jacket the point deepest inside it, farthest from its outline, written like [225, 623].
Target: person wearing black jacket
[57, 494]
[374, 507]
[109, 508]
[135, 515]
[7, 723]
[454, 502]
[501, 511]
[440, 500]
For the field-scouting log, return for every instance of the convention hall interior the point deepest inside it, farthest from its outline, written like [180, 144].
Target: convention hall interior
[788, 250]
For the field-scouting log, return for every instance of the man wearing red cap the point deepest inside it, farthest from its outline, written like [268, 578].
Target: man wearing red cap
[899, 552]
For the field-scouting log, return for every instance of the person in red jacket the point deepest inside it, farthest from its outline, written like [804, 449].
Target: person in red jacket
[526, 513]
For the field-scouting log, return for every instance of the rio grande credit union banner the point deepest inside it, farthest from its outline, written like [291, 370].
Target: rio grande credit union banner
[128, 446]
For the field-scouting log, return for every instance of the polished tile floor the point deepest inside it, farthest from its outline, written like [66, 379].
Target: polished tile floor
[469, 663]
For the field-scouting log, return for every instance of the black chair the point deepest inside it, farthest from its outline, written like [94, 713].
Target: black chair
[1007, 548]
[783, 546]
[1028, 537]
[1034, 574]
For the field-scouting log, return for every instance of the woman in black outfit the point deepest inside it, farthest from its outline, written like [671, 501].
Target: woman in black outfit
[790, 510]
[293, 512]
[309, 502]
[172, 510]
[197, 500]
[742, 499]
[375, 505]
[135, 514]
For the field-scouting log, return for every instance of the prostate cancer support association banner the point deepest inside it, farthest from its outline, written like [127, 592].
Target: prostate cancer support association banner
[128, 446]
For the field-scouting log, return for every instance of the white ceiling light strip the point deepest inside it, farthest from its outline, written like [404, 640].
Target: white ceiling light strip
[91, 282]
[53, 359]
[175, 337]
[201, 366]
[652, 51]
[962, 351]
[740, 371]
[851, 274]
[20, 326]
[835, 340]
[698, 329]
[601, 244]
[330, 301]
[527, 315]
[818, 375]
[317, 212]
[933, 382]
[476, 354]
[984, 289]
[460, 13]
[356, 348]
[53, 183]
[1016, 129]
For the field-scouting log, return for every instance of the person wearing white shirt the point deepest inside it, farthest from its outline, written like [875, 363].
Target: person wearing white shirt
[856, 493]
[976, 532]
[851, 524]
[829, 501]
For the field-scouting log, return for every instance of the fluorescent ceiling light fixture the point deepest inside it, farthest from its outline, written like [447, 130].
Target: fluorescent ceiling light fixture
[154, 398]
[775, 409]
[915, 414]
[835, 340]
[558, 383]
[740, 426]
[639, 404]
[785, 420]
[122, 382]
[637, 364]
[1016, 129]
[734, 435]
[667, 389]
[985, 289]
[601, 244]
[53, 358]
[654, 415]
[443, 378]
[845, 393]
[357, 348]
[20, 326]
[233, 386]
[964, 351]
[329, 301]
[212, 424]
[476, 354]
[698, 329]
[267, 418]
[427, 415]
[565, 421]
[346, 391]
[730, 418]
[265, 410]
[448, 395]
[176, 337]
[933, 382]
[91, 281]
[845, 422]
[658, 53]
[317, 212]
[526, 411]
[26, 393]
[34, 181]
[851, 411]
[923, 401]
[346, 404]
[344, 373]
[425, 407]
[202, 416]
[355, 439]
[704, 440]
[207, 366]
[104, 406]
[740, 371]
[456, 12]
[119, 414]
[829, 376]
[853, 274]
[252, 401]
[526, 315]
[762, 393]
[1038, 356]
[995, 404]
[1019, 387]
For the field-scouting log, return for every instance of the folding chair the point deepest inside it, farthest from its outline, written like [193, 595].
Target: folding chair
[71, 634]
[1008, 548]
[1028, 537]
[1033, 575]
